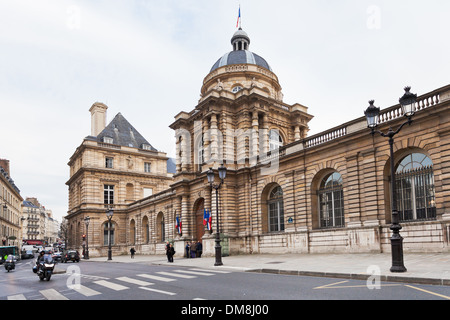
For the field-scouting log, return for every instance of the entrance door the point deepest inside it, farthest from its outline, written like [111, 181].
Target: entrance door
[198, 212]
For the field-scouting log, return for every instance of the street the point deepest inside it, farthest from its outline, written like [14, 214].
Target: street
[143, 281]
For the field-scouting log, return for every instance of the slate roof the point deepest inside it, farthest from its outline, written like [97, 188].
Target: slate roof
[122, 133]
[241, 57]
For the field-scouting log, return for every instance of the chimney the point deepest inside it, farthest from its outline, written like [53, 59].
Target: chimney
[5, 165]
[98, 118]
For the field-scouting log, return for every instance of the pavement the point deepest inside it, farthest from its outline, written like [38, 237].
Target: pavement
[423, 268]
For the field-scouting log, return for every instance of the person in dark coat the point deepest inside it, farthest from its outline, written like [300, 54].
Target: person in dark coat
[170, 253]
[187, 248]
[199, 249]
[132, 251]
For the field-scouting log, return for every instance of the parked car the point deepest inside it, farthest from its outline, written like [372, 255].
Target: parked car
[71, 255]
[27, 254]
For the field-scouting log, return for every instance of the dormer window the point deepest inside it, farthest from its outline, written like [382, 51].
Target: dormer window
[146, 146]
[108, 140]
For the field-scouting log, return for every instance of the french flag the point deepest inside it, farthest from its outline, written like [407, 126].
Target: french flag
[207, 219]
[178, 225]
[239, 17]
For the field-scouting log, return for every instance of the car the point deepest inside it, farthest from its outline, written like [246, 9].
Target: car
[71, 255]
[57, 256]
[27, 254]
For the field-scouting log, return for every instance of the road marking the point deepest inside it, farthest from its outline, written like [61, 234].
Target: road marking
[208, 270]
[52, 294]
[87, 292]
[335, 285]
[198, 273]
[17, 297]
[111, 285]
[171, 274]
[153, 277]
[135, 281]
[158, 291]
[433, 293]
[331, 284]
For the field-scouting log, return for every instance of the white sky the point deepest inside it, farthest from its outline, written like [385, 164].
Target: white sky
[147, 59]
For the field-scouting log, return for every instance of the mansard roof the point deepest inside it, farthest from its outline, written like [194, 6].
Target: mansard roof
[122, 133]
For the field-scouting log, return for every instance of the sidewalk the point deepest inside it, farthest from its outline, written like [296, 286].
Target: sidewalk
[428, 268]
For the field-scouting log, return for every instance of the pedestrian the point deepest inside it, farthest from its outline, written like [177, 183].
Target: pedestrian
[193, 250]
[187, 248]
[132, 251]
[167, 250]
[199, 249]
[170, 253]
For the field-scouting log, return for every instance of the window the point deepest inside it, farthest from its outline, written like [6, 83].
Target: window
[108, 233]
[276, 210]
[275, 140]
[147, 167]
[108, 194]
[200, 153]
[146, 146]
[109, 162]
[236, 89]
[331, 201]
[108, 140]
[414, 187]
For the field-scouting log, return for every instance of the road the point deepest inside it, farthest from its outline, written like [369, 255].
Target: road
[140, 281]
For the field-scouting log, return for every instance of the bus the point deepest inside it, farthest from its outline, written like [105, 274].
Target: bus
[7, 250]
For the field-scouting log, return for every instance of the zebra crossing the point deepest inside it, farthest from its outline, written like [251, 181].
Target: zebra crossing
[143, 281]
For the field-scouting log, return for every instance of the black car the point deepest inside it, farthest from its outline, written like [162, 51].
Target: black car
[27, 254]
[71, 255]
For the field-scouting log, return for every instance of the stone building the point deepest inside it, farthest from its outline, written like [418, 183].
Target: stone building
[10, 201]
[112, 168]
[284, 191]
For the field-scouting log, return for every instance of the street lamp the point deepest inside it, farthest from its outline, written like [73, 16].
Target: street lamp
[222, 174]
[407, 103]
[109, 215]
[86, 221]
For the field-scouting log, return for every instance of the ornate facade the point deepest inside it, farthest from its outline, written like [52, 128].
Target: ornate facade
[284, 191]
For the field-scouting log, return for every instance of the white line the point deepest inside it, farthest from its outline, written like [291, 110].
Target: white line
[198, 273]
[207, 270]
[17, 297]
[135, 281]
[150, 276]
[170, 274]
[111, 285]
[159, 291]
[87, 292]
[52, 294]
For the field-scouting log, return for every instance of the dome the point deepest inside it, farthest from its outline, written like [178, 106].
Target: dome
[240, 54]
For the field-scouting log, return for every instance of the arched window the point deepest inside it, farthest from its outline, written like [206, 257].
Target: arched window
[132, 232]
[276, 210]
[414, 187]
[160, 227]
[145, 230]
[275, 140]
[331, 201]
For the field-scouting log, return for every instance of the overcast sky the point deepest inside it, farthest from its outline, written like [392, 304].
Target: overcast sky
[147, 59]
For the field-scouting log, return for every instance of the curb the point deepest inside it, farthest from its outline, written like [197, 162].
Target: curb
[355, 276]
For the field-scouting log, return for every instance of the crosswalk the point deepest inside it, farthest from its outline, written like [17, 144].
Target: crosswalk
[143, 281]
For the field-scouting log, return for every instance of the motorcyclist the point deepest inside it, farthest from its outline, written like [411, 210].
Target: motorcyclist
[40, 257]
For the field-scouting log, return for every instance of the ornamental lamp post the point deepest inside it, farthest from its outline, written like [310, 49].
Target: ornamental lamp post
[210, 175]
[407, 103]
[86, 221]
[109, 215]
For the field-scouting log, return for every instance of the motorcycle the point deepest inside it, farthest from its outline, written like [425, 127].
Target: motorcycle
[9, 263]
[44, 268]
